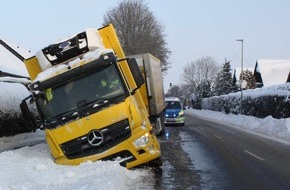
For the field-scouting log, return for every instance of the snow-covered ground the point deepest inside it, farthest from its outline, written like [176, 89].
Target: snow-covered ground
[32, 167]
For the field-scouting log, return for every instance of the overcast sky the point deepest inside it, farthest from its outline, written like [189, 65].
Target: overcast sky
[194, 28]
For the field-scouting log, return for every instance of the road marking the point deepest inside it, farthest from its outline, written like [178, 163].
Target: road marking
[218, 137]
[200, 128]
[254, 155]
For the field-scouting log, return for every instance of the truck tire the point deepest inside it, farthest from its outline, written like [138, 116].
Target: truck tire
[159, 126]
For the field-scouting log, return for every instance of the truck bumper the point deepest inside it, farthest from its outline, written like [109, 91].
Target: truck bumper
[125, 153]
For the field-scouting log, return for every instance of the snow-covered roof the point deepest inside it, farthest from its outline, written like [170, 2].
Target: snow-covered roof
[273, 71]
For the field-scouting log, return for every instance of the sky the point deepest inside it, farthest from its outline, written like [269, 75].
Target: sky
[32, 167]
[193, 28]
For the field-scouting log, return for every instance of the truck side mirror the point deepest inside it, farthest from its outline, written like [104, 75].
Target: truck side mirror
[137, 74]
[30, 120]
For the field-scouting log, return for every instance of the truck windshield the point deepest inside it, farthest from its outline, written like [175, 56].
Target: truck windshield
[83, 93]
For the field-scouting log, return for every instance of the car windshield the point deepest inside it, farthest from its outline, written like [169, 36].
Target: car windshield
[173, 105]
[83, 93]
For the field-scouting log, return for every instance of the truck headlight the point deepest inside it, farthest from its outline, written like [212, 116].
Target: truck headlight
[142, 141]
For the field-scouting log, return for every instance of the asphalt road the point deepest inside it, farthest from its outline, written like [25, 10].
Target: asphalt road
[207, 155]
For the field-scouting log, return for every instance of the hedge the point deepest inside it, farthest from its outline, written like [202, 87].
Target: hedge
[274, 101]
[12, 124]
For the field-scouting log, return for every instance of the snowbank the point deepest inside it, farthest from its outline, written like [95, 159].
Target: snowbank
[269, 127]
[32, 167]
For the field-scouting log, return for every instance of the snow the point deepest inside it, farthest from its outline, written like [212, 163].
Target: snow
[273, 71]
[61, 68]
[280, 90]
[26, 163]
[95, 44]
[32, 167]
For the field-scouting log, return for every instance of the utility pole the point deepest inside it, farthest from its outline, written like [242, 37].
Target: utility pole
[241, 81]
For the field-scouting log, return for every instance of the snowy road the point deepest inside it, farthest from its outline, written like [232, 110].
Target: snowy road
[209, 155]
[204, 154]
[188, 162]
[249, 161]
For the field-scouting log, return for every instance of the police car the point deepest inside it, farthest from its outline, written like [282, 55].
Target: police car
[174, 112]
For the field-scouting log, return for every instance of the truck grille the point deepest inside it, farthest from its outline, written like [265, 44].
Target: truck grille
[107, 137]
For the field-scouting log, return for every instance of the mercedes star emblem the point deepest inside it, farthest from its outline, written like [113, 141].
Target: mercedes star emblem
[95, 138]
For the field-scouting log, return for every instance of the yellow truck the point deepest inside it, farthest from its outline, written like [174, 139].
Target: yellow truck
[91, 102]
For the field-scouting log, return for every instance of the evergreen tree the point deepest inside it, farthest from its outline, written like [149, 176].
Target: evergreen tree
[235, 87]
[206, 92]
[249, 78]
[224, 82]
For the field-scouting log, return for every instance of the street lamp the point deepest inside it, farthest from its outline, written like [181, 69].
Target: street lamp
[242, 43]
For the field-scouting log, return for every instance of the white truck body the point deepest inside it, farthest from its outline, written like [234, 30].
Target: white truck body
[152, 90]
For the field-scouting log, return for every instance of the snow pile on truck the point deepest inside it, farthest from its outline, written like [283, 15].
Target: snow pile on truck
[77, 62]
[77, 45]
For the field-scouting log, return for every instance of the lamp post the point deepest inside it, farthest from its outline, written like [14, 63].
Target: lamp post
[241, 82]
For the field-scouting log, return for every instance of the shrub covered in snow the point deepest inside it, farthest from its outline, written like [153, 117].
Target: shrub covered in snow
[12, 124]
[11, 120]
[261, 102]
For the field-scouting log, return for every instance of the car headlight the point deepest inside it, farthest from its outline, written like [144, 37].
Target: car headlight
[181, 114]
[142, 141]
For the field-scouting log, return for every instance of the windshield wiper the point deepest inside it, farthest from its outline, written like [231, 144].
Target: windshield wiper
[93, 106]
[100, 102]
[62, 118]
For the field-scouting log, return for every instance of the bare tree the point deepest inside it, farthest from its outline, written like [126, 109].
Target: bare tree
[200, 72]
[199, 77]
[174, 91]
[138, 30]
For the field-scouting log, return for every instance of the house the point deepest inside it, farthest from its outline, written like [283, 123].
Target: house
[270, 72]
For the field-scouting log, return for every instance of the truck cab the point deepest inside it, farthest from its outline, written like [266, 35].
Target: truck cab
[89, 103]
